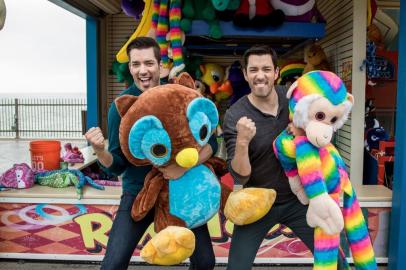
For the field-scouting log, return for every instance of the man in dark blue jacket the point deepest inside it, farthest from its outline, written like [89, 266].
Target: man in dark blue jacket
[144, 64]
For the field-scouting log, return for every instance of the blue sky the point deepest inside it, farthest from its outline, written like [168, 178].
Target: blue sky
[42, 50]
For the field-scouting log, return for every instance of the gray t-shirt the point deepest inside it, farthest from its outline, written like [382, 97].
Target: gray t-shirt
[266, 171]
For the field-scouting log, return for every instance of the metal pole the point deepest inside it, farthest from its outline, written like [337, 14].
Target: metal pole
[16, 118]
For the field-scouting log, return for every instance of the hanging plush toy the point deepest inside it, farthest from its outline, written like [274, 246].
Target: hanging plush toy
[225, 9]
[257, 13]
[200, 10]
[167, 125]
[319, 104]
[133, 8]
[299, 10]
[166, 23]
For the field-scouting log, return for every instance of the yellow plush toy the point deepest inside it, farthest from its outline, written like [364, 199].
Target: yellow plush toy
[248, 205]
[316, 59]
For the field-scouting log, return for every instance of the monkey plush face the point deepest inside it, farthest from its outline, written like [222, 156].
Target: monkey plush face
[168, 123]
[320, 105]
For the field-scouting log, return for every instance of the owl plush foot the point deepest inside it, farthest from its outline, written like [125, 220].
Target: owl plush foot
[248, 205]
[170, 246]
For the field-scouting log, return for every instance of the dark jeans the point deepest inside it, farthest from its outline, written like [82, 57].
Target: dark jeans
[247, 238]
[126, 233]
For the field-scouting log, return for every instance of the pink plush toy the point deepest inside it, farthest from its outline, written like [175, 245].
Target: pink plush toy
[19, 176]
[298, 10]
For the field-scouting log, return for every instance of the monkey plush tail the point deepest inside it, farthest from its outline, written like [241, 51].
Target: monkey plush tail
[357, 230]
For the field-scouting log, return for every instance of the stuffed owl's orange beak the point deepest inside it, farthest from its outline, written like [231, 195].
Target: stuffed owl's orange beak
[187, 158]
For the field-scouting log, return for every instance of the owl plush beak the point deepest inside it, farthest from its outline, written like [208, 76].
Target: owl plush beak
[187, 158]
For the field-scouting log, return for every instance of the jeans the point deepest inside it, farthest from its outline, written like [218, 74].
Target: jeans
[126, 233]
[246, 239]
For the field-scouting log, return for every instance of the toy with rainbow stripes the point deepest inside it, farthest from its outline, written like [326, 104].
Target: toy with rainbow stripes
[320, 168]
[167, 22]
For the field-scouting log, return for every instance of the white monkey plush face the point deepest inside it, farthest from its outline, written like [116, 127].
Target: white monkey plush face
[319, 104]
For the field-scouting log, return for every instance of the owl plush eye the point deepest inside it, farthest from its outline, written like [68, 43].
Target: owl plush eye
[203, 119]
[149, 140]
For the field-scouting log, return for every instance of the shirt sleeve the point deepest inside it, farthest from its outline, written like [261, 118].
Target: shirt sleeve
[120, 162]
[230, 137]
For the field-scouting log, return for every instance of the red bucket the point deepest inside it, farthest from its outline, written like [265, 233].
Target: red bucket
[45, 155]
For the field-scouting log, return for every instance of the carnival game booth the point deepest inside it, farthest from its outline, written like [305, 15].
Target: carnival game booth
[49, 223]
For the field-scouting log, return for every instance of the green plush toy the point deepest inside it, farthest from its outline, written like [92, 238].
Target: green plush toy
[200, 10]
[122, 72]
[192, 64]
[225, 9]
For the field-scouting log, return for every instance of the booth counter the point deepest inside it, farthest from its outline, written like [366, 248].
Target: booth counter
[47, 223]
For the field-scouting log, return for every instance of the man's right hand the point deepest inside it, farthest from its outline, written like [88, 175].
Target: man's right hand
[245, 130]
[95, 137]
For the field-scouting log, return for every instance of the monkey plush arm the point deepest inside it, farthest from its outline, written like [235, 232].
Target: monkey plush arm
[285, 150]
[323, 211]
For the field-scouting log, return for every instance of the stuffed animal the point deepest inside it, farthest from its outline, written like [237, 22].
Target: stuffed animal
[133, 8]
[239, 84]
[213, 76]
[373, 136]
[65, 178]
[319, 104]
[225, 9]
[168, 35]
[19, 176]
[299, 10]
[167, 125]
[192, 63]
[200, 10]
[122, 73]
[257, 13]
[370, 116]
[316, 59]
[290, 72]
[72, 154]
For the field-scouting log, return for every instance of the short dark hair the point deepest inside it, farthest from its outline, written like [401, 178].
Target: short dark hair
[260, 50]
[144, 43]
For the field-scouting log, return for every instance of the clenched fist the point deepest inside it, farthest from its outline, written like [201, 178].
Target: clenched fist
[245, 130]
[95, 137]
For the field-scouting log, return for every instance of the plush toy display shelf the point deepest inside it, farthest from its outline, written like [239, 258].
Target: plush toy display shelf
[236, 39]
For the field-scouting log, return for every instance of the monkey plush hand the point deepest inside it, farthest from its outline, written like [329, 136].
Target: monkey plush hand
[319, 104]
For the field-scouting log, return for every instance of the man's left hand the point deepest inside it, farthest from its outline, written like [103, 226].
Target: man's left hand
[172, 171]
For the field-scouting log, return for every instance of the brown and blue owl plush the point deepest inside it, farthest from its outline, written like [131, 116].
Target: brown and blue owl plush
[170, 124]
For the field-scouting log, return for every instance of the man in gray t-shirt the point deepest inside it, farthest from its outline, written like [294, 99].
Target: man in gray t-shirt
[250, 127]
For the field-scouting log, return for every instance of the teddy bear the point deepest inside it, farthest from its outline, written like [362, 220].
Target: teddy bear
[316, 59]
[319, 104]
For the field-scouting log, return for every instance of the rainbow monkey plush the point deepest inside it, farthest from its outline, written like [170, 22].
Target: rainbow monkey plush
[319, 104]
[160, 18]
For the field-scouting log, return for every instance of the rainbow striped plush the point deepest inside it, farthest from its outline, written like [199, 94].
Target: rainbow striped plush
[323, 83]
[322, 170]
[164, 21]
